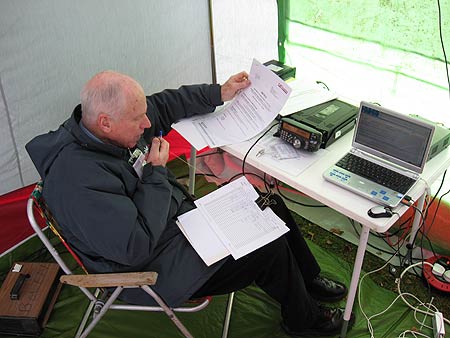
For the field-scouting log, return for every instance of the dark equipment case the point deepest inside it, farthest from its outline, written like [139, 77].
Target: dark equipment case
[27, 298]
[333, 119]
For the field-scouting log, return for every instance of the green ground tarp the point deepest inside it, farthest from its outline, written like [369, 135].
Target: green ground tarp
[254, 313]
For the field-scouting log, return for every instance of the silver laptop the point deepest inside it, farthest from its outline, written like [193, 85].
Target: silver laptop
[389, 151]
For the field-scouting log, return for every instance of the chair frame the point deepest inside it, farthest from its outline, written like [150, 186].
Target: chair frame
[99, 304]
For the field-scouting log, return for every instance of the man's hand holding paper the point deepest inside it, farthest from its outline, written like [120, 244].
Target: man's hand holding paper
[252, 110]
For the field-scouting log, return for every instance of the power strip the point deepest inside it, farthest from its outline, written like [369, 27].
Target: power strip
[438, 325]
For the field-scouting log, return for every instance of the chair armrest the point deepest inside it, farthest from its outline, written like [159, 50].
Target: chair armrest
[111, 279]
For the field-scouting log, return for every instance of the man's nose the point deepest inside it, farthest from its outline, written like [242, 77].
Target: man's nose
[147, 123]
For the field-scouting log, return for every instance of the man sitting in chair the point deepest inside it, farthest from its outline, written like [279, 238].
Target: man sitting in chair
[106, 182]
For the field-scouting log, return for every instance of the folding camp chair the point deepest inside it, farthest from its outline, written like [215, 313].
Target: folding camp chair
[102, 300]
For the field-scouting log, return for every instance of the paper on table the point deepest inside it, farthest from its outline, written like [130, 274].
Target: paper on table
[305, 94]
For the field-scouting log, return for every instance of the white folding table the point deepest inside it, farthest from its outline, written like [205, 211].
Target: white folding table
[311, 183]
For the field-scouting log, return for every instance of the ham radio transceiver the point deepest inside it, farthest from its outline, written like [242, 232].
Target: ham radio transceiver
[319, 126]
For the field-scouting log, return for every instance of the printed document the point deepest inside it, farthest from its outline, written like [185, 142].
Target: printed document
[252, 110]
[228, 221]
[202, 237]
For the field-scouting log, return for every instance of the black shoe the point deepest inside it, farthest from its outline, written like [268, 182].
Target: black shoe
[329, 323]
[326, 290]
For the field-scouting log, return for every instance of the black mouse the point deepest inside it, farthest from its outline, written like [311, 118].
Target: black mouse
[380, 211]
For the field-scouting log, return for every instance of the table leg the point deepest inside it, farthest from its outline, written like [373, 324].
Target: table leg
[192, 167]
[417, 219]
[355, 278]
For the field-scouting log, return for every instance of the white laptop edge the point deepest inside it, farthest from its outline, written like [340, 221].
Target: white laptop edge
[394, 201]
[386, 157]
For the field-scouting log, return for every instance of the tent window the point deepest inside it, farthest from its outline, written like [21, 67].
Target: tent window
[383, 51]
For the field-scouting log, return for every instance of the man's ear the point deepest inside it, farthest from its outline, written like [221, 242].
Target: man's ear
[104, 122]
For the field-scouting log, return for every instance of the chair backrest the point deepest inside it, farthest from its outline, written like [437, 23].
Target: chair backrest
[35, 204]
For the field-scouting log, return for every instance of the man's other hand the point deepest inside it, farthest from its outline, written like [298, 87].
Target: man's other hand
[233, 85]
[159, 152]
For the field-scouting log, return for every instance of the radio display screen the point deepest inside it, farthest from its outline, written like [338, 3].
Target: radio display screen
[295, 130]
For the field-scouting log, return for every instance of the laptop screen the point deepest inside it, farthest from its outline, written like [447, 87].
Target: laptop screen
[395, 137]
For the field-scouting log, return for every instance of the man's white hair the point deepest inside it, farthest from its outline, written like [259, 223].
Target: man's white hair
[104, 93]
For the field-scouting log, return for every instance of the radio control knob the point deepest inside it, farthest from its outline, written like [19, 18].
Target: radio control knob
[297, 143]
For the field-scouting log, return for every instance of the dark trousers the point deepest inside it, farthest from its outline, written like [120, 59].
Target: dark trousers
[281, 268]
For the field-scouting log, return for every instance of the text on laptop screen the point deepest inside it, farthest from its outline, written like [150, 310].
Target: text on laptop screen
[392, 135]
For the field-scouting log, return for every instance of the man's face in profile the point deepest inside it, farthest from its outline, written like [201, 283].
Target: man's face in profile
[128, 127]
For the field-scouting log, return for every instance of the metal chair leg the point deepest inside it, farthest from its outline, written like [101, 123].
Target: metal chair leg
[168, 311]
[86, 315]
[105, 308]
[226, 322]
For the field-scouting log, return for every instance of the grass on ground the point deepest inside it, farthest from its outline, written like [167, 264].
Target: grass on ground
[411, 282]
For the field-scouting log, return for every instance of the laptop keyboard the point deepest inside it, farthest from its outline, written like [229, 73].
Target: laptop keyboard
[376, 173]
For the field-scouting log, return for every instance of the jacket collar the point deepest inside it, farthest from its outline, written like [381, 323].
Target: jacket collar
[72, 125]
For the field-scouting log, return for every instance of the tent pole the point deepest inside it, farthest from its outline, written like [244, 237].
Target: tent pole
[193, 154]
[213, 53]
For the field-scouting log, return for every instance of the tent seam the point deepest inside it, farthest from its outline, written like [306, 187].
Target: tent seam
[8, 117]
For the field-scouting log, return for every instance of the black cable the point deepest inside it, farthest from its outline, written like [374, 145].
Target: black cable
[297, 202]
[442, 44]
[421, 223]
[393, 233]
[410, 246]
[437, 193]
[251, 147]
[267, 185]
[429, 243]
[372, 246]
[435, 212]
[243, 173]
[399, 243]
[422, 231]
[425, 214]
